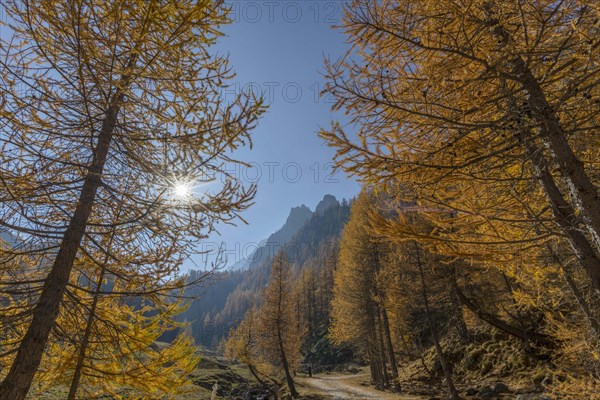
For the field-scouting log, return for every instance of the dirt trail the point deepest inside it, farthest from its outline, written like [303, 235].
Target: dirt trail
[337, 386]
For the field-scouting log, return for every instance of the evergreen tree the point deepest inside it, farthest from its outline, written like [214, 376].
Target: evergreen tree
[279, 336]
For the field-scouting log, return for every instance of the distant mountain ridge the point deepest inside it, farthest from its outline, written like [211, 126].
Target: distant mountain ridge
[222, 304]
[295, 220]
[327, 202]
[267, 248]
[298, 216]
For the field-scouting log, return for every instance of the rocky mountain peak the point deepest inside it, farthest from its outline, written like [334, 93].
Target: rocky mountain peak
[298, 215]
[327, 202]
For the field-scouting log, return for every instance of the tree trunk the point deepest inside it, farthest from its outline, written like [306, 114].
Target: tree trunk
[563, 212]
[522, 324]
[310, 334]
[90, 320]
[375, 362]
[502, 325]
[461, 325]
[373, 369]
[29, 355]
[286, 368]
[565, 215]
[434, 333]
[583, 304]
[256, 376]
[372, 346]
[86, 337]
[581, 188]
[390, 347]
[382, 357]
[577, 293]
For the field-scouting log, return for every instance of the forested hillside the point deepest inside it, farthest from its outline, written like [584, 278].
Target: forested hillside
[422, 321]
[306, 239]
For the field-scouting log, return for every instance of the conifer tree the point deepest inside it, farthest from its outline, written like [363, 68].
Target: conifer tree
[486, 110]
[93, 93]
[279, 336]
[357, 301]
[243, 345]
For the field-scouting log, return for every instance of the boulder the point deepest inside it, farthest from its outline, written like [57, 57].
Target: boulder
[500, 387]
[486, 392]
[471, 391]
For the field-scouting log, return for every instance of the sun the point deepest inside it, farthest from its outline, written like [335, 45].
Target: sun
[182, 191]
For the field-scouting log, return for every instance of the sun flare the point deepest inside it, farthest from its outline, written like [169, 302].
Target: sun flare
[182, 190]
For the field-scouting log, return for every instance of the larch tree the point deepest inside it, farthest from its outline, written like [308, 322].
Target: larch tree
[115, 342]
[121, 351]
[486, 109]
[279, 336]
[243, 345]
[483, 115]
[358, 312]
[93, 93]
[418, 258]
[464, 275]
[101, 342]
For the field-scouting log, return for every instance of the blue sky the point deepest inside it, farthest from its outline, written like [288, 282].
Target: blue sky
[278, 47]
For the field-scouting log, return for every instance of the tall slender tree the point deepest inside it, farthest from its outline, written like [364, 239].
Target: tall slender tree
[93, 92]
[279, 336]
[434, 332]
[356, 304]
[243, 345]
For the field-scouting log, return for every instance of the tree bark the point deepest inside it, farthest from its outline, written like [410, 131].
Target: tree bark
[565, 215]
[390, 348]
[461, 325]
[577, 293]
[90, 320]
[581, 188]
[260, 381]
[286, 368]
[284, 362]
[373, 369]
[436, 340]
[502, 325]
[522, 324]
[372, 346]
[382, 357]
[86, 337]
[583, 304]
